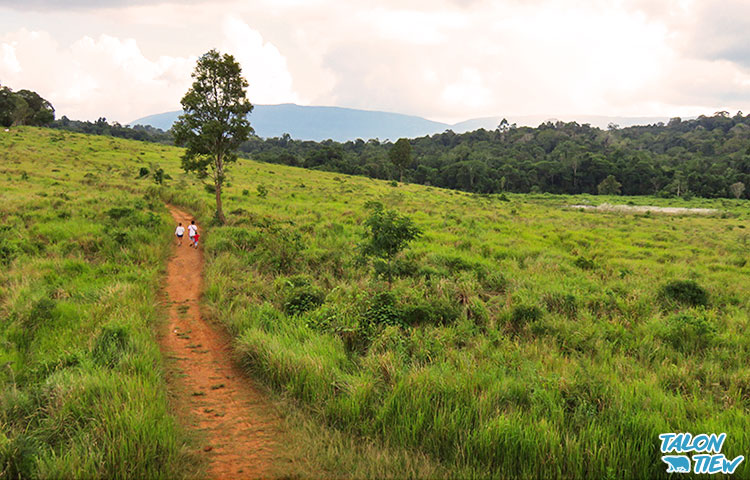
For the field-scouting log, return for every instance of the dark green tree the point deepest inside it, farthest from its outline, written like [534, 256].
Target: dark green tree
[38, 111]
[24, 107]
[388, 234]
[214, 122]
[400, 156]
[609, 186]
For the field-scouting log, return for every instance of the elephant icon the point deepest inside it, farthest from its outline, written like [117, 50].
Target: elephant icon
[677, 463]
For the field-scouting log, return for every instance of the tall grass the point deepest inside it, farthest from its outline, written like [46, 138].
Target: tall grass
[521, 339]
[82, 391]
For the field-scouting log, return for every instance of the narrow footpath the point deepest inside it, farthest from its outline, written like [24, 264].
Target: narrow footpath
[238, 426]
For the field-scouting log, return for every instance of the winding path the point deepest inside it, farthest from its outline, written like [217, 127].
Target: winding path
[239, 427]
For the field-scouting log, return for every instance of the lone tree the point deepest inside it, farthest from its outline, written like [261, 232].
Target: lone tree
[737, 189]
[609, 186]
[400, 155]
[389, 233]
[214, 122]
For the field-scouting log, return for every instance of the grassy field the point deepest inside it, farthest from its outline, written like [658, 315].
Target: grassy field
[82, 248]
[520, 338]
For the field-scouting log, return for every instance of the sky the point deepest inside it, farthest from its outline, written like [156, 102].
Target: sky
[446, 60]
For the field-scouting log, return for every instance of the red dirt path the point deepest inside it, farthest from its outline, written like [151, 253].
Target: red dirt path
[240, 429]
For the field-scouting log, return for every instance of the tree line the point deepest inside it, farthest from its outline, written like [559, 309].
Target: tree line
[706, 157]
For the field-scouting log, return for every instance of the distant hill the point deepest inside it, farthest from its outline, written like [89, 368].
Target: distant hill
[322, 123]
[342, 124]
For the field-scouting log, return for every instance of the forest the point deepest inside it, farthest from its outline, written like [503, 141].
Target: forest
[705, 157]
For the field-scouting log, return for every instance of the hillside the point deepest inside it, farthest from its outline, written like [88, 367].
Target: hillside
[517, 336]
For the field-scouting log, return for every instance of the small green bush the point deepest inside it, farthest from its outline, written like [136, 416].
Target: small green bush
[301, 295]
[689, 332]
[524, 314]
[584, 263]
[118, 213]
[686, 292]
[382, 310]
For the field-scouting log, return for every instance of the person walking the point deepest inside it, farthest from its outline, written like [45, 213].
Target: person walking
[179, 233]
[193, 234]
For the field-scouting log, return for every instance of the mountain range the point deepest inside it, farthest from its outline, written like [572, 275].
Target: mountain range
[342, 124]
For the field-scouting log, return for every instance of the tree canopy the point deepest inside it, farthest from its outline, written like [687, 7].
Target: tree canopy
[214, 122]
[24, 107]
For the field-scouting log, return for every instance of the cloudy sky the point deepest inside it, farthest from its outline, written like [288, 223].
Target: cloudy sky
[446, 60]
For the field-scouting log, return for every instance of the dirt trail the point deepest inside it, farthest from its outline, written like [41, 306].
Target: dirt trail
[239, 427]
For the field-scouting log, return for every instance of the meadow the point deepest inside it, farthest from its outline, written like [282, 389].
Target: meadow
[82, 251]
[518, 339]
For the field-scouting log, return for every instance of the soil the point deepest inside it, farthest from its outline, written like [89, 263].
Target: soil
[238, 425]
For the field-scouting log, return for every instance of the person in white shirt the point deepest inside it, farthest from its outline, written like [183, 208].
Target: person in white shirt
[179, 232]
[193, 234]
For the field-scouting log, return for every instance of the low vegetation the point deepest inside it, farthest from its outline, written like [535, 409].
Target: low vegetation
[82, 248]
[516, 337]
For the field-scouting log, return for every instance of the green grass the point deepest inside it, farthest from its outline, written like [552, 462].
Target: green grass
[524, 339]
[538, 341]
[81, 380]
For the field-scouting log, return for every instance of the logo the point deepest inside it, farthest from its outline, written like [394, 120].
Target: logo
[705, 450]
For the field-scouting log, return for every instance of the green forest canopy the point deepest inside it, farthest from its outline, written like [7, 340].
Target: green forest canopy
[706, 157]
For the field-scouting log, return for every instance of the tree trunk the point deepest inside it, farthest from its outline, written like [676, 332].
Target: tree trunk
[218, 181]
[219, 210]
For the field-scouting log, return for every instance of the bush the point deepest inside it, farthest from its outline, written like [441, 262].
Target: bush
[524, 314]
[118, 213]
[435, 310]
[688, 332]
[301, 295]
[686, 292]
[262, 191]
[382, 310]
[584, 263]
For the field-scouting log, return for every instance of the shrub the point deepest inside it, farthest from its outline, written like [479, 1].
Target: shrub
[382, 310]
[434, 310]
[584, 263]
[689, 332]
[118, 213]
[523, 314]
[143, 172]
[301, 295]
[262, 191]
[687, 292]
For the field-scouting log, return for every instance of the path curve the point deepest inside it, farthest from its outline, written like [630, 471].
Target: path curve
[240, 429]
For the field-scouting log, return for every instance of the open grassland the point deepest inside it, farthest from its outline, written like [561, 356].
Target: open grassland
[519, 338]
[82, 248]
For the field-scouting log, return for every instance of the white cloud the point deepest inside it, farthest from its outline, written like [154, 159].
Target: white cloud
[110, 76]
[443, 59]
[8, 60]
[263, 65]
